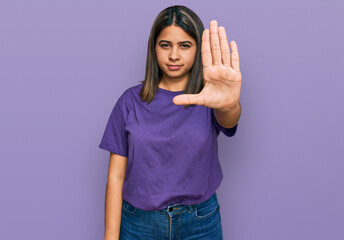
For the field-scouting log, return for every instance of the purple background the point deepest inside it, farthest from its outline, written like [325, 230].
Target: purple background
[63, 65]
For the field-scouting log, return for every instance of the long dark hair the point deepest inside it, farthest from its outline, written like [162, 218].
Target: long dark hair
[189, 21]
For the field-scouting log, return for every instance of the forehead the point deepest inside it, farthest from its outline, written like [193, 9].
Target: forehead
[174, 34]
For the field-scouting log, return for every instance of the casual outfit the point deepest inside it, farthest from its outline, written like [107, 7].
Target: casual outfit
[172, 155]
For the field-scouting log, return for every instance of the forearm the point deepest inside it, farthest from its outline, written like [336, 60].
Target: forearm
[230, 117]
[113, 208]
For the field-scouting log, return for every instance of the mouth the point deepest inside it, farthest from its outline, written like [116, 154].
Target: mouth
[174, 67]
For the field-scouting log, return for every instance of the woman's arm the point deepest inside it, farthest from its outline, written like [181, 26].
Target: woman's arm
[113, 199]
[228, 118]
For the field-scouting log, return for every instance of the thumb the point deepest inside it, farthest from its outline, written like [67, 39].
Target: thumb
[186, 99]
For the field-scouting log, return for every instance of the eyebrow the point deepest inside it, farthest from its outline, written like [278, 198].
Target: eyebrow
[178, 42]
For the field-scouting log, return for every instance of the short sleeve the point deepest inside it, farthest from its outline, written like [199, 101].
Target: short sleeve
[229, 132]
[115, 137]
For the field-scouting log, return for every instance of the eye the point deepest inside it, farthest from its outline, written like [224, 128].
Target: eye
[185, 45]
[164, 44]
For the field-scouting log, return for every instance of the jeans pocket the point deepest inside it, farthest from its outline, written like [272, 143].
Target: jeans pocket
[204, 210]
[128, 208]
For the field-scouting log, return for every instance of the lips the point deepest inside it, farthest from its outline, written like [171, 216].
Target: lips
[174, 67]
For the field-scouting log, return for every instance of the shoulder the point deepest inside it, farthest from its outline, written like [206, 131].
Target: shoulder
[126, 98]
[134, 90]
[131, 91]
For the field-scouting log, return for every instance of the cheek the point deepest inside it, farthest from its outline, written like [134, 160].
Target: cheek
[160, 54]
[158, 57]
[191, 58]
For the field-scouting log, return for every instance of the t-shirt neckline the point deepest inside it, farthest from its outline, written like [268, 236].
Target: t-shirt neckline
[170, 92]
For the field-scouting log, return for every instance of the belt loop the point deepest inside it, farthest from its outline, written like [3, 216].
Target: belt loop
[191, 208]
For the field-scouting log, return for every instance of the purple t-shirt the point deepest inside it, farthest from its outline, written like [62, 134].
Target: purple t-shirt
[172, 151]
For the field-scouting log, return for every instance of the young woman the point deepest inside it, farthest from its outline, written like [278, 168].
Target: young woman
[162, 133]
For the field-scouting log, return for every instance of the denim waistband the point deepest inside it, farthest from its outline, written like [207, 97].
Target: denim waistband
[179, 208]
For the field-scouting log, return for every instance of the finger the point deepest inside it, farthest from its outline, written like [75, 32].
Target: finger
[185, 99]
[235, 56]
[225, 50]
[206, 53]
[215, 43]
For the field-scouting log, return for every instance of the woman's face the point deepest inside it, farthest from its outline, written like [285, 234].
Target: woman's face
[175, 47]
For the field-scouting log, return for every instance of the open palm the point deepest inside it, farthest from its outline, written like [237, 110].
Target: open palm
[221, 72]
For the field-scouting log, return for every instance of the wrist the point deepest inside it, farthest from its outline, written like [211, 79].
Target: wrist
[235, 107]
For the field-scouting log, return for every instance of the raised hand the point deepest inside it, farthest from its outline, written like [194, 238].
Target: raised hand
[221, 72]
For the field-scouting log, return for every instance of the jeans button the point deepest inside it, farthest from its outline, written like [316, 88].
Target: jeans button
[170, 209]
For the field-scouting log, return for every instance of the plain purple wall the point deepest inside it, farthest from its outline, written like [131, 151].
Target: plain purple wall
[63, 65]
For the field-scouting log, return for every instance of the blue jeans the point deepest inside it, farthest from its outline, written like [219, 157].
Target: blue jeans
[176, 222]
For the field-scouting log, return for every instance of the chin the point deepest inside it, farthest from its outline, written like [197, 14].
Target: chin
[175, 75]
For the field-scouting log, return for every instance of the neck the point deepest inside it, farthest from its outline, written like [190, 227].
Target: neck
[173, 84]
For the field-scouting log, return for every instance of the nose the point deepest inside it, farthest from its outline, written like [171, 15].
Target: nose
[173, 56]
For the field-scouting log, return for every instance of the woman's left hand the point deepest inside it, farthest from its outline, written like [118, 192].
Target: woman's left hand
[221, 72]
